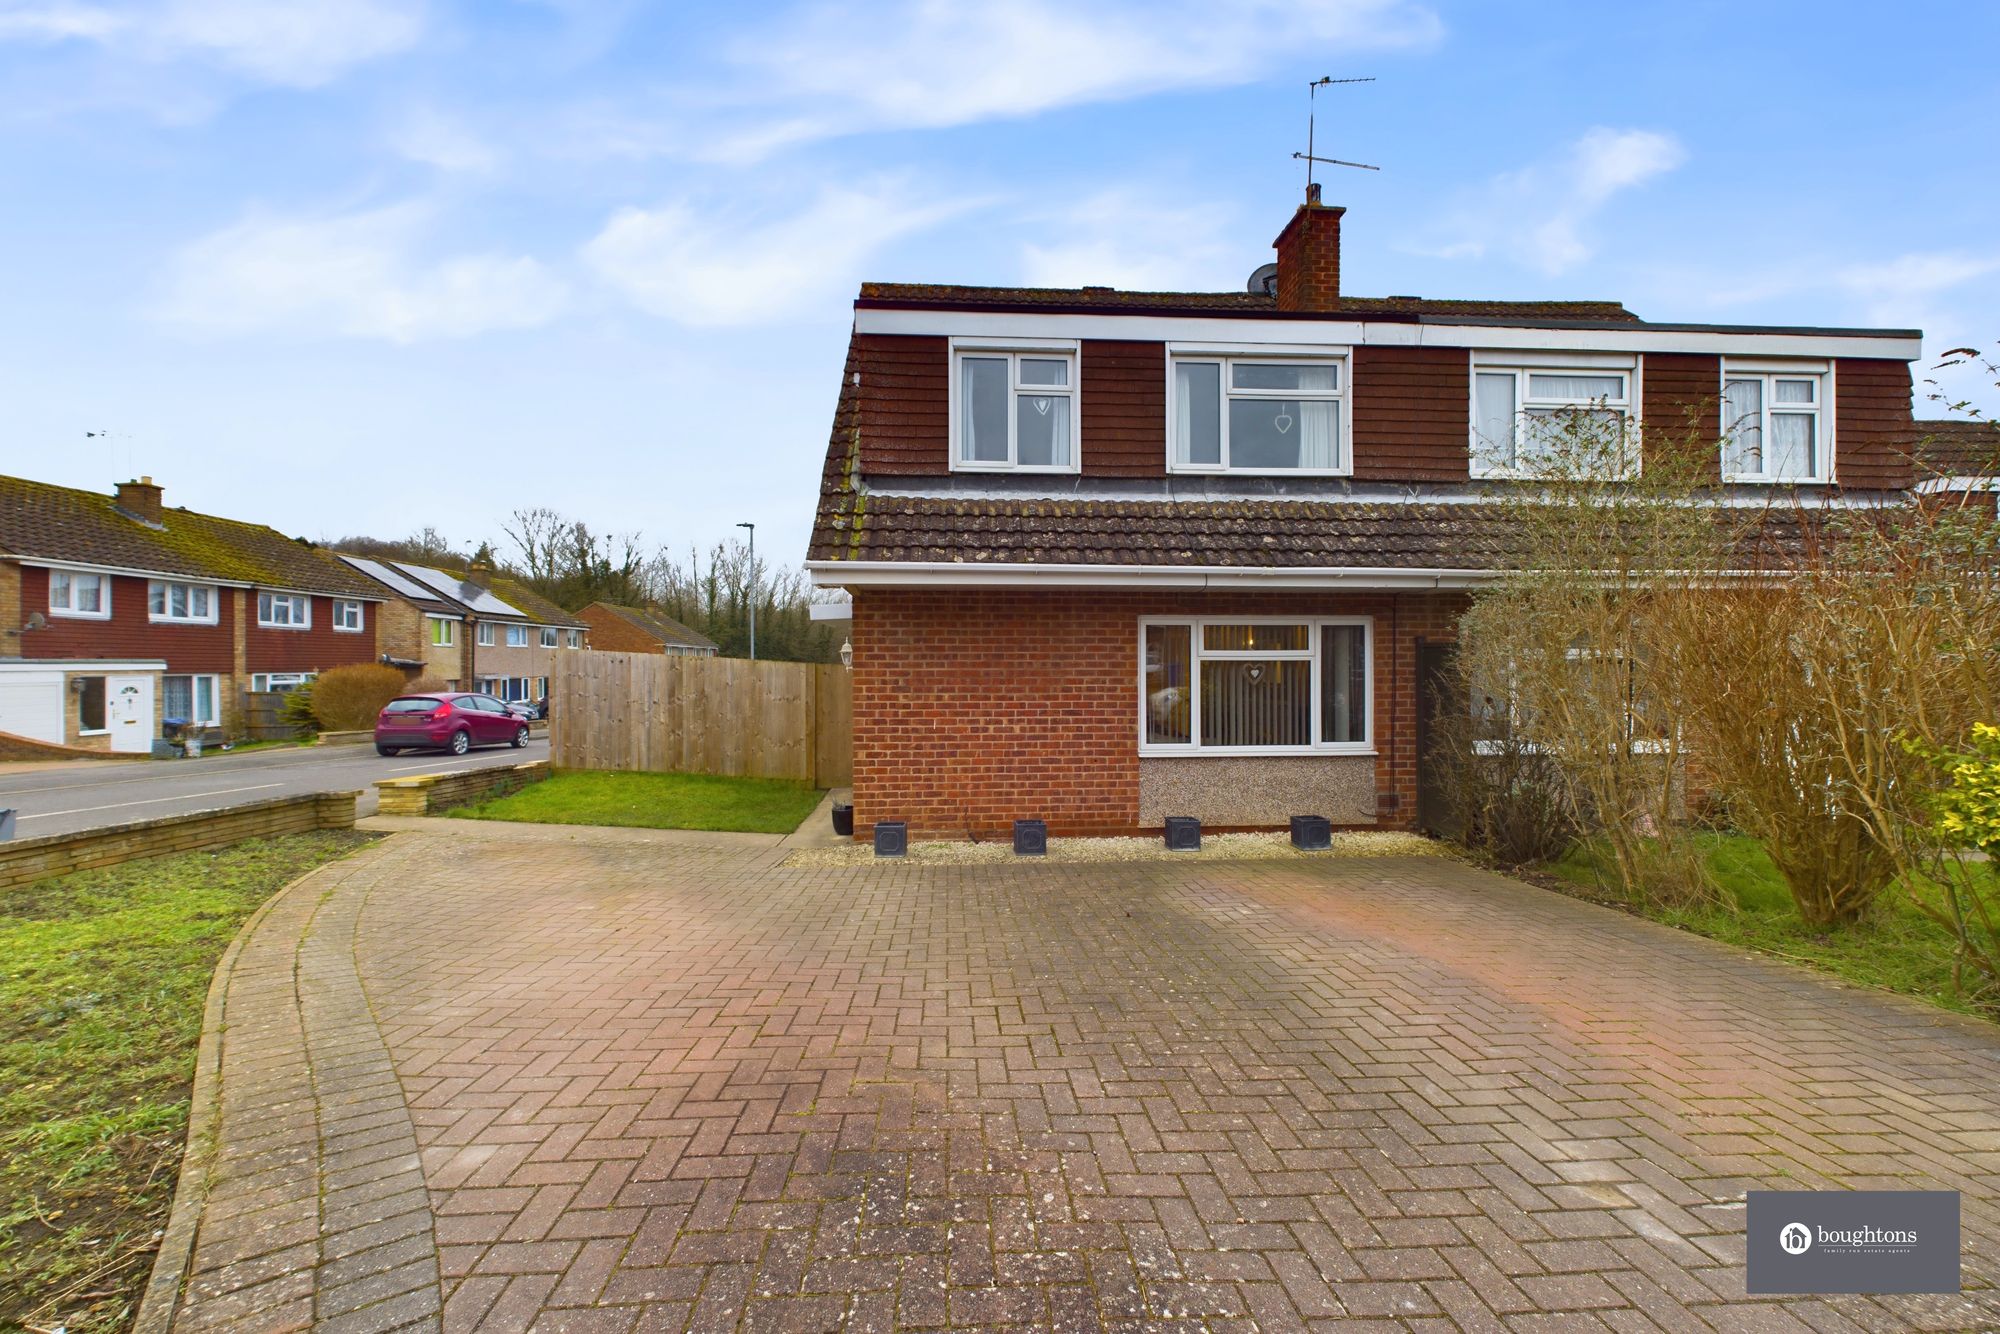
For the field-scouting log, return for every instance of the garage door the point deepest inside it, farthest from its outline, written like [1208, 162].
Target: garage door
[31, 704]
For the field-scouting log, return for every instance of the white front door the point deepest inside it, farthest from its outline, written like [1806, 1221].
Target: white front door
[128, 711]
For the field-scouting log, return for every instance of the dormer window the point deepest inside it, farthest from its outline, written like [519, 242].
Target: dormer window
[1531, 421]
[1013, 407]
[1257, 413]
[1775, 425]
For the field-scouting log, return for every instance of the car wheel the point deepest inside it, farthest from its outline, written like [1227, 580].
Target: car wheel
[520, 736]
[461, 741]
[387, 750]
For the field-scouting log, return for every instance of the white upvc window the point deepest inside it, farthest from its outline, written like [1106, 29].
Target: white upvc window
[190, 699]
[1014, 407]
[575, 639]
[444, 632]
[282, 682]
[1248, 685]
[76, 593]
[548, 636]
[187, 604]
[349, 616]
[285, 611]
[485, 634]
[517, 636]
[1533, 420]
[1777, 422]
[1257, 412]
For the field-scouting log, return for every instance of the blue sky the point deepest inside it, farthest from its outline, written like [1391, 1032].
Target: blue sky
[361, 265]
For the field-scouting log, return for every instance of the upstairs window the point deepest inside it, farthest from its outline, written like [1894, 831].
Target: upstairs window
[284, 611]
[576, 639]
[548, 636]
[187, 603]
[1244, 414]
[517, 636]
[1533, 421]
[444, 633]
[1014, 409]
[348, 616]
[1773, 424]
[486, 634]
[75, 594]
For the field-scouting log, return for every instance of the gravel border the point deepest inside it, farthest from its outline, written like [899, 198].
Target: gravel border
[1214, 847]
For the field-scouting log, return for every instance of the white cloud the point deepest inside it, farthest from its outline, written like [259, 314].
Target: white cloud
[296, 43]
[353, 275]
[1541, 215]
[435, 139]
[832, 68]
[702, 265]
[1126, 237]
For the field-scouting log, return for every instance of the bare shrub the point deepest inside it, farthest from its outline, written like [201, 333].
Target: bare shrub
[346, 699]
[1504, 796]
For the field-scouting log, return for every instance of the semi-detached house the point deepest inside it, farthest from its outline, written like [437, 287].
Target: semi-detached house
[1116, 556]
[118, 615]
[471, 629]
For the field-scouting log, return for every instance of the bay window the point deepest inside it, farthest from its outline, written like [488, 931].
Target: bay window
[1257, 414]
[284, 611]
[170, 601]
[1541, 421]
[1772, 423]
[73, 593]
[1014, 408]
[1255, 686]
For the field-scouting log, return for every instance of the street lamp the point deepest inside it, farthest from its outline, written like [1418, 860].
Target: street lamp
[753, 588]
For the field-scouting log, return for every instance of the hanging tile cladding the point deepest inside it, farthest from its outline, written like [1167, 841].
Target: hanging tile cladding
[1124, 431]
[1680, 401]
[128, 633]
[902, 404]
[311, 650]
[1411, 413]
[1873, 431]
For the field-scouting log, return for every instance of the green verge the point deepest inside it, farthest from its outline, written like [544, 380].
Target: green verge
[103, 980]
[654, 801]
[1897, 948]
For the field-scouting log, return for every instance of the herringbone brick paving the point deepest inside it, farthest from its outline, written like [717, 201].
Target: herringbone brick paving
[654, 1088]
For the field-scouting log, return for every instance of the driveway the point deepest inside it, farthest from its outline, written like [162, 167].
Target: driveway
[497, 1078]
[89, 794]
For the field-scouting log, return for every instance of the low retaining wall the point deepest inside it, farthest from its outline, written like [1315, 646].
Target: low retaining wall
[27, 748]
[427, 794]
[23, 861]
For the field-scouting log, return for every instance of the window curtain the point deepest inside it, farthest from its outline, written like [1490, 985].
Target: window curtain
[1743, 426]
[1319, 432]
[1495, 408]
[1792, 444]
[1256, 703]
[1198, 412]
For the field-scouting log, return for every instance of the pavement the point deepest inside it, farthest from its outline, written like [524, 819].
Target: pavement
[73, 795]
[486, 1077]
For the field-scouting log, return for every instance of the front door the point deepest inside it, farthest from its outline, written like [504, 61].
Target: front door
[128, 712]
[1436, 692]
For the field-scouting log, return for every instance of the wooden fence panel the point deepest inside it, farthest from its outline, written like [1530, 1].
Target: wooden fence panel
[649, 711]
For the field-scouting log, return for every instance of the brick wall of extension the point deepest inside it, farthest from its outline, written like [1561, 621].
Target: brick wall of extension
[976, 708]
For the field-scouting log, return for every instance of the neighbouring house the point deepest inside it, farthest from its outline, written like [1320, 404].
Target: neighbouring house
[643, 630]
[472, 629]
[1118, 556]
[119, 615]
[1959, 459]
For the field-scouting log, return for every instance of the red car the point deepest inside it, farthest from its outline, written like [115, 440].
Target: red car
[449, 720]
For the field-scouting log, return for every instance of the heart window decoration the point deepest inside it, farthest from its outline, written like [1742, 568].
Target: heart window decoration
[1042, 406]
[1255, 671]
[1283, 421]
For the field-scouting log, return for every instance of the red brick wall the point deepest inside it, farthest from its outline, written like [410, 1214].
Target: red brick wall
[128, 633]
[313, 650]
[976, 708]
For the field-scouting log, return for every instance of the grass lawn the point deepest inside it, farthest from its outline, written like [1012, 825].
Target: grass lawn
[654, 801]
[1899, 949]
[103, 976]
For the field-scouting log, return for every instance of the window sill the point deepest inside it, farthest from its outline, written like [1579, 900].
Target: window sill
[177, 620]
[80, 615]
[1189, 470]
[348, 630]
[93, 731]
[1072, 470]
[1255, 752]
[1743, 479]
[271, 625]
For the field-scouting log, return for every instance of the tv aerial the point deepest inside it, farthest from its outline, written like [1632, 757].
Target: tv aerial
[1312, 115]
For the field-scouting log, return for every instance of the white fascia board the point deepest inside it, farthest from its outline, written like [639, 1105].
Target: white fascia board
[165, 576]
[94, 664]
[858, 574]
[1339, 333]
[830, 611]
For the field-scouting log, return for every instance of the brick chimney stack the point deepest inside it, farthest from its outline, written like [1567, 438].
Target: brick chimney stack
[141, 500]
[1309, 257]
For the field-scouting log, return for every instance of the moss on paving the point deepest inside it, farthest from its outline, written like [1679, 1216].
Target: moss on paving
[655, 801]
[103, 980]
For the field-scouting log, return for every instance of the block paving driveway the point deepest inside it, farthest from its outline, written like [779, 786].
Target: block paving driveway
[499, 1078]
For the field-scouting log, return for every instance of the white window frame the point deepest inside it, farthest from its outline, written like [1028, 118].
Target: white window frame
[485, 634]
[1310, 654]
[1521, 366]
[1768, 371]
[161, 591]
[549, 637]
[194, 696]
[1039, 349]
[260, 682]
[267, 604]
[517, 636]
[574, 639]
[448, 625]
[67, 607]
[341, 606]
[1340, 357]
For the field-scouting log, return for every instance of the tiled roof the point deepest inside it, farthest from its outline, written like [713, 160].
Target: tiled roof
[1958, 448]
[1107, 298]
[38, 520]
[532, 604]
[660, 626]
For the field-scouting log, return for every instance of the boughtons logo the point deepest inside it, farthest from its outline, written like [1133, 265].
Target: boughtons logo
[1796, 1239]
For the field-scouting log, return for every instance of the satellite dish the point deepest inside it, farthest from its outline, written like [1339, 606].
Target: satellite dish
[1264, 282]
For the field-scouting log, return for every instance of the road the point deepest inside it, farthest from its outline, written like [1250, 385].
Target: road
[88, 794]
